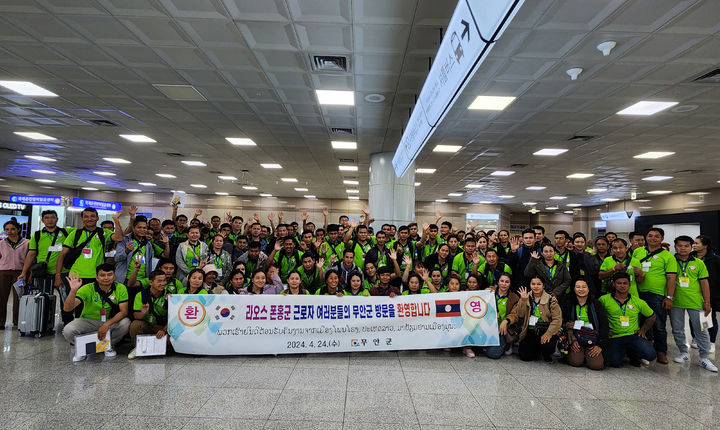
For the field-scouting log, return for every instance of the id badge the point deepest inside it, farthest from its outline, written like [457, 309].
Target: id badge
[646, 266]
[87, 253]
[194, 261]
[142, 261]
[110, 254]
[219, 273]
[625, 321]
[684, 281]
[103, 316]
[578, 324]
[532, 320]
[55, 248]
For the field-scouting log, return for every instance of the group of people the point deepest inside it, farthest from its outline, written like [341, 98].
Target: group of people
[594, 303]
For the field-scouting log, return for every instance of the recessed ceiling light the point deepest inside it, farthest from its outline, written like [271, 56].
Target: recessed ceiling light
[221, 193]
[96, 182]
[698, 193]
[596, 190]
[309, 196]
[349, 182]
[336, 144]
[485, 202]
[529, 203]
[165, 175]
[34, 136]
[654, 154]
[227, 178]
[417, 184]
[535, 188]
[353, 198]
[642, 200]
[249, 187]
[138, 138]
[695, 203]
[265, 195]
[198, 186]
[301, 190]
[646, 108]
[331, 97]
[568, 212]
[194, 163]
[288, 179]
[46, 172]
[352, 191]
[454, 194]
[610, 199]
[506, 196]
[551, 152]
[425, 171]
[45, 181]
[116, 160]
[104, 173]
[133, 190]
[552, 208]
[447, 148]
[657, 178]
[580, 175]
[348, 168]
[89, 189]
[573, 205]
[490, 103]
[27, 89]
[502, 173]
[271, 165]
[147, 184]
[441, 200]
[474, 186]
[659, 192]
[241, 141]
[40, 158]
[645, 207]
[558, 198]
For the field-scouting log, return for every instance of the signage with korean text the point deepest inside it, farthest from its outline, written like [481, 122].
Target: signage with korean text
[97, 204]
[36, 200]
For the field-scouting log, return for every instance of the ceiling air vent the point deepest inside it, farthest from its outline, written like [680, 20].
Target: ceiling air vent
[712, 77]
[330, 63]
[689, 171]
[103, 122]
[341, 131]
[174, 154]
[581, 138]
[347, 160]
[519, 165]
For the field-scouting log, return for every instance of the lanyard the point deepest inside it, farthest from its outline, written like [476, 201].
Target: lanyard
[192, 248]
[468, 264]
[566, 257]
[625, 262]
[578, 309]
[623, 306]
[551, 271]
[217, 258]
[683, 267]
[534, 305]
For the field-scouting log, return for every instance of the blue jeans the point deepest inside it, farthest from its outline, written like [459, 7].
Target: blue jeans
[677, 321]
[712, 331]
[658, 334]
[634, 346]
[496, 352]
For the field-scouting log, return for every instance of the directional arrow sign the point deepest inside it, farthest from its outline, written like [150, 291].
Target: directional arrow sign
[471, 34]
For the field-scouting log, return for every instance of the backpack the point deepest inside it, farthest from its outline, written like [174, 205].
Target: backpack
[39, 270]
[76, 250]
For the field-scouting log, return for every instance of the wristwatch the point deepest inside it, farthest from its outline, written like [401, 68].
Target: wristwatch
[669, 297]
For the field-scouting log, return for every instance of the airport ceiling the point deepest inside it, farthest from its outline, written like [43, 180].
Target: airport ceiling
[251, 64]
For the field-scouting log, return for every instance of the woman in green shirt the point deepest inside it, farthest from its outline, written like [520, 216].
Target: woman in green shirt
[195, 282]
[505, 301]
[295, 284]
[332, 282]
[354, 286]
[586, 324]
[236, 282]
[542, 321]
[413, 285]
[371, 277]
[473, 282]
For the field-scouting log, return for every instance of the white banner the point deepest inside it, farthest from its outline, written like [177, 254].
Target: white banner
[276, 324]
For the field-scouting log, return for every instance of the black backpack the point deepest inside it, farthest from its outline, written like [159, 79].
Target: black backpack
[74, 252]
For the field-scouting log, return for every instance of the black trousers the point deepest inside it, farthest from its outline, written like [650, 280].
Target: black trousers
[530, 347]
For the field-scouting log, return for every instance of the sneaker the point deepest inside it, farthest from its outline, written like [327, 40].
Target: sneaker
[683, 357]
[509, 351]
[707, 365]
[644, 363]
[76, 359]
[712, 348]
[110, 353]
[131, 356]
[694, 345]
[469, 353]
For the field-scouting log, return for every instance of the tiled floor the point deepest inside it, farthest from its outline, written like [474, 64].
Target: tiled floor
[40, 388]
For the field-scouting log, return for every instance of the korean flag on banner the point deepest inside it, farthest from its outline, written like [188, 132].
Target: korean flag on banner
[222, 313]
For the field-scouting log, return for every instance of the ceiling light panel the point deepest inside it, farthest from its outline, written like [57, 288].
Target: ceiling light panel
[241, 141]
[447, 148]
[330, 97]
[27, 89]
[652, 155]
[34, 135]
[137, 138]
[550, 152]
[336, 144]
[646, 108]
[494, 103]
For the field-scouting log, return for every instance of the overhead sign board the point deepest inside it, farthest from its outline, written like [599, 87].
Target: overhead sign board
[97, 204]
[36, 200]
[473, 29]
[616, 216]
[483, 217]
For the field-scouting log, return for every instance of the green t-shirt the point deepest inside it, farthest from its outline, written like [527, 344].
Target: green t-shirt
[407, 250]
[501, 303]
[131, 258]
[407, 292]
[564, 257]
[629, 263]
[429, 249]
[193, 255]
[93, 254]
[655, 268]
[688, 293]
[535, 311]
[359, 252]
[173, 287]
[581, 313]
[42, 247]
[362, 292]
[465, 268]
[500, 268]
[313, 281]
[157, 314]
[628, 311]
[286, 264]
[327, 250]
[369, 285]
[93, 300]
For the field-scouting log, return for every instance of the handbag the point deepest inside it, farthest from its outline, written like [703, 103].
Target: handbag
[586, 336]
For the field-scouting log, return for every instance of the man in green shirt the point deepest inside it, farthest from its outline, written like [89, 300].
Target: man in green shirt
[311, 273]
[468, 262]
[93, 240]
[626, 336]
[150, 310]
[690, 294]
[286, 259]
[660, 269]
[360, 245]
[45, 246]
[620, 261]
[104, 310]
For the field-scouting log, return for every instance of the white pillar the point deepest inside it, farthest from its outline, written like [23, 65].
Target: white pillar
[392, 199]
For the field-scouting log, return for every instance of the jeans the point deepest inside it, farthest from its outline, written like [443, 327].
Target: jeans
[677, 321]
[658, 334]
[496, 352]
[84, 325]
[634, 346]
[712, 331]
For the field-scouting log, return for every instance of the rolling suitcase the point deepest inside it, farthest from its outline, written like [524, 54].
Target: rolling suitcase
[37, 314]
